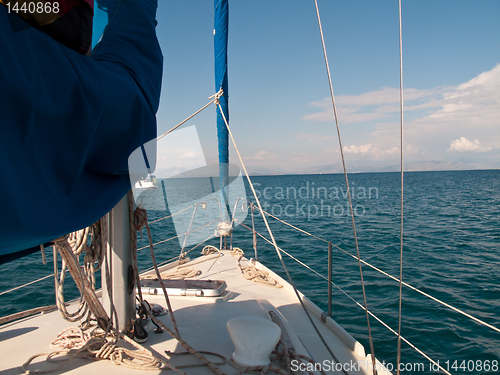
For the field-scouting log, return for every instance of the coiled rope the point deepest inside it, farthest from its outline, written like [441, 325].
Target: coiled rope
[89, 341]
[249, 271]
[96, 345]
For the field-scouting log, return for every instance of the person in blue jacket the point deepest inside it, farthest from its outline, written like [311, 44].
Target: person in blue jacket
[70, 121]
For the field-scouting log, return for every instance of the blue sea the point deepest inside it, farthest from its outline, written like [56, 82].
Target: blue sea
[451, 251]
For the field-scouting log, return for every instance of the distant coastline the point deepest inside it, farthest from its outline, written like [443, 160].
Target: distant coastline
[374, 172]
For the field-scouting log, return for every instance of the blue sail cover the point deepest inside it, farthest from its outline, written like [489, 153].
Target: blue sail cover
[69, 122]
[221, 20]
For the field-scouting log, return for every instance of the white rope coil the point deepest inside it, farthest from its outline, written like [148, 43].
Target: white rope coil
[95, 345]
[252, 273]
[209, 249]
[88, 341]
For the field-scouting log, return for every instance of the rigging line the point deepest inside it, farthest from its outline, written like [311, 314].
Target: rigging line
[289, 255]
[348, 190]
[352, 299]
[402, 186]
[294, 227]
[357, 303]
[215, 98]
[447, 305]
[160, 264]
[275, 245]
[477, 320]
[22, 286]
[395, 333]
[182, 234]
[166, 217]
[176, 257]
[211, 236]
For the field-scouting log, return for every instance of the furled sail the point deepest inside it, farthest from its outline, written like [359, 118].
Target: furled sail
[221, 21]
[69, 122]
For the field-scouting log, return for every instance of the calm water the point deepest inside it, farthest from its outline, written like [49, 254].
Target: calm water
[451, 251]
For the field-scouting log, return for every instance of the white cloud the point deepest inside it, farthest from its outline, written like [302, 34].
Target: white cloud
[369, 149]
[362, 149]
[460, 118]
[264, 155]
[178, 152]
[463, 144]
[373, 105]
[189, 155]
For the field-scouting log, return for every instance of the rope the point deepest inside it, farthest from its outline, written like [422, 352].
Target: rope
[44, 258]
[351, 298]
[259, 276]
[209, 249]
[288, 254]
[89, 341]
[274, 242]
[186, 346]
[348, 190]
[141, 221]
[100, 343]
[192, 263]
[166, 217]
[182, 234]
[94, 345]
[398, 361]
[215, 99]
[88, 299]
[133, 243]
[176, 257]
[447, 305]
[22, 286]
[252, 273]
[73, 337]
[294, 227]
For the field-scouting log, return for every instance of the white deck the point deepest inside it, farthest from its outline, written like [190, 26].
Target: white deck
[202, 323]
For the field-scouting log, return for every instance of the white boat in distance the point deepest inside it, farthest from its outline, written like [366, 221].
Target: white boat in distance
[148, 183]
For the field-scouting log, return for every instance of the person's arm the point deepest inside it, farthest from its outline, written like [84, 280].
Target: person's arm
[69, 123]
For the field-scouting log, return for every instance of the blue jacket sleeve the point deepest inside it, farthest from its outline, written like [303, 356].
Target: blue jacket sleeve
[69, 122]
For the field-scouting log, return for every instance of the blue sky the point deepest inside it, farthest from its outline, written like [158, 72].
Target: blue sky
[280, 111]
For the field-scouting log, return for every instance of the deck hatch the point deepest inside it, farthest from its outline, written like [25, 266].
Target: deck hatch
[198, 288]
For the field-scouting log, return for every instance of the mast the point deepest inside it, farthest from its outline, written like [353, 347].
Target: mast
[221, 20]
